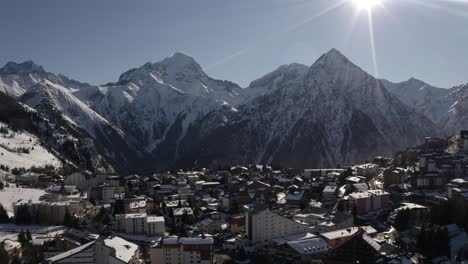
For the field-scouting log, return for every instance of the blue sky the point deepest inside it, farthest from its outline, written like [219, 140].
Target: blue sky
[239, 40]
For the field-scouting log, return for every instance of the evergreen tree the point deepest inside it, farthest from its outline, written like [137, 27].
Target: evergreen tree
[421, 242]
[22, 238]
[4, 218]
[119, 207]
[22, 216]
[3, 253]
[402, 219]
[28, 235]
[67, 219]
[444, 243]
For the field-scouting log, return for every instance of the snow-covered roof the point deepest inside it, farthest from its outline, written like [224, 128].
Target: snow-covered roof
[72, 252]
[371, 242]
[10, 244]
[155, 219]
[346, 232]
[124, 250]
[294, 237]
[66, 188]
[180, 211]
[296, 196]
[330, 188]
[310, 246]
[411, 206]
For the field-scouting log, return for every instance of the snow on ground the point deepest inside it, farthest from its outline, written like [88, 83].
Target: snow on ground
[38, 232]
[11, 195]
[39, 156]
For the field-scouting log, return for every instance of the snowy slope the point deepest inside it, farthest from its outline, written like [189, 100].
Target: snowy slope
[446, 107]
[38, 156]
[458, 113]
[62, 100]
[431, 101]
[19, 78]
[64, 104]
[334, 113]
[156, 104]
[182, 73]
[11, 195]
[172, 112]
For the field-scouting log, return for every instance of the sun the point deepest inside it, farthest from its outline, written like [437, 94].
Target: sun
[367, 4]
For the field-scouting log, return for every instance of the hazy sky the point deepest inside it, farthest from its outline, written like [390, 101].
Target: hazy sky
[239, 40]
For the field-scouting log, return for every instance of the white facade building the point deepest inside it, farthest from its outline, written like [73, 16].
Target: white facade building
[140, 224]
[265, 225]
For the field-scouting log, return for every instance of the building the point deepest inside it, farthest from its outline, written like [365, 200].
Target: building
[418, 214]
[363, 202]
[140, 224]
[430, 180]
[103, 193]
[329, 193]
[296, 199]
[309, 250]
[112, 250]
[367, 170]
[392, 176]
[48, 213]
[324, 220]
[464, 141]
[358, 248]
[337, 237]
[135, 204]
[63, 189]
[313, 173]
[180, 250]
[12, 249]
[264, 225]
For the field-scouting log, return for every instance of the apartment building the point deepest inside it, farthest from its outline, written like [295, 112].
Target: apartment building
[264, 225]
[140, 224]
[181, 250]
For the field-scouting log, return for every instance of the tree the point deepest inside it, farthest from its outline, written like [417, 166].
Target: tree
[1, 185]
[421, 241]
[3, 253]
[119, 207]
[434, 242]
[4, 218]
[22, 238]
[22, 215]
[28, 235]
[70, 220]
[345, 174]
[402, 219]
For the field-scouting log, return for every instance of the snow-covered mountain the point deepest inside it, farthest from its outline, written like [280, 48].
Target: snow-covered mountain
[63, 102]
[446, 107]
[424, 98]
[458, 113]
[330, 113]
[155, 104]
[172, 113]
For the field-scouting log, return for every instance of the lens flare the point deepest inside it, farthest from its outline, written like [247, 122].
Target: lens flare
[366, 4]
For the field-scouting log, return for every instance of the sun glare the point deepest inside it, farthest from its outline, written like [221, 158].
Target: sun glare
[366, 4]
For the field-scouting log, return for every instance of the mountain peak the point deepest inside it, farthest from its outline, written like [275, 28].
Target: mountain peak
[333, 56]
[414, 80]
[180, 60]
[24, 67]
